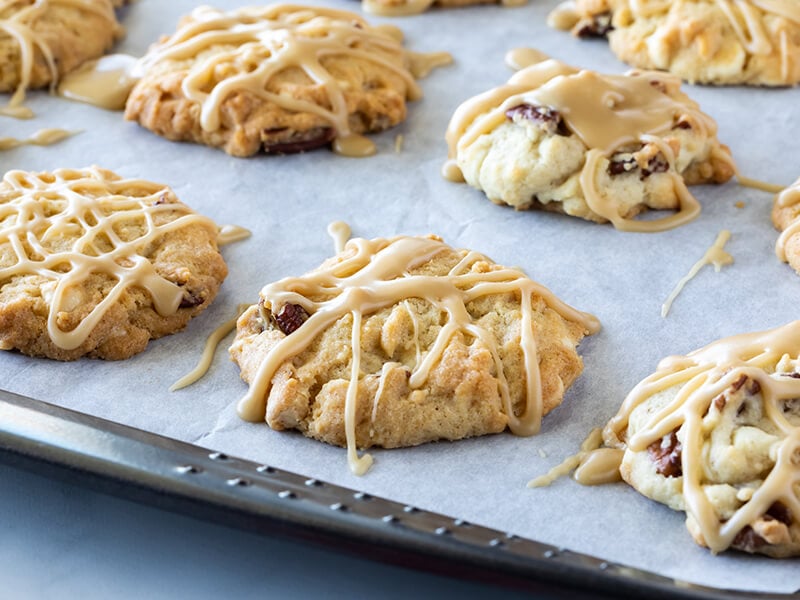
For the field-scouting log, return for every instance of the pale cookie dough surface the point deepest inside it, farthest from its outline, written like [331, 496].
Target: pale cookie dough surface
[717, 434]
[95, 265]
[289, 79]
[703, 41]
[786, 218]
[41, 41]
[429, 370]
[521, 150]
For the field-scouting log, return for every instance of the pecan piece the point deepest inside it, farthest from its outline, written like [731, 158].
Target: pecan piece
[597, 27]
[547, 118]
[618, 166]
[667, 457]
[290, 318]
[657, 164]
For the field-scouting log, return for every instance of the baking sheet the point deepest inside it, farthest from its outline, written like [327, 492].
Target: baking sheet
[623, 278]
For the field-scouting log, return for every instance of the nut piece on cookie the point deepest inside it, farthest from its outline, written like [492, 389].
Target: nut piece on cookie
[701, 41]
[42, 40]
[716, 433]
[397, 342]
[599, 147]
[279, 78]
[786, 217]
[95, 265]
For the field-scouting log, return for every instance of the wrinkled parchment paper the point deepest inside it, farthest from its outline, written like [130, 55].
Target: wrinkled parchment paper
[623, 278]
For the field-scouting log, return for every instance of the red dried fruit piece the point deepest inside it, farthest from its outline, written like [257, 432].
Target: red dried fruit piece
[290, 318]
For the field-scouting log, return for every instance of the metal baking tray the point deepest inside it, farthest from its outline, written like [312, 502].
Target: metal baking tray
[209, 485]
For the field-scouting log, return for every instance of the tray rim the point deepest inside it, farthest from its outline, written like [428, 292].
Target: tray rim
[201, 483]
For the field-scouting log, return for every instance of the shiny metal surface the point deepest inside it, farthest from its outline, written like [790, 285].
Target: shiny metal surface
[205, 484]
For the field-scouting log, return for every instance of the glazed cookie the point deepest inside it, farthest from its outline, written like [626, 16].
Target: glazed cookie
[786, 217]
[716, 434]
[396, 8]
[447, 345]
[599, 147]
[95, 265]
[280, 78]
[753, 42]
[42, 40]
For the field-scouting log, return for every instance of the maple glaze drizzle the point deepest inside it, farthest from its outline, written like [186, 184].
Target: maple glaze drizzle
[43, 137]
[715, 255]
[374, 274]
[105, 82]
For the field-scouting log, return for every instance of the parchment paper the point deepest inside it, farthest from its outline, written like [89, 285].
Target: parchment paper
[623, 278]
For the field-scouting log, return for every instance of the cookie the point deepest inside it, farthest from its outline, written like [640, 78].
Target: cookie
[786, 217]
[41, 41]
[95, 265]
[448, 345]
[716, 433]
[396, 8]
[280, 78]
[598, 147]
[752, 42]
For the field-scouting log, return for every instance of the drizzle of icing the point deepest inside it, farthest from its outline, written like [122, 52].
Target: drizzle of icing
[788, 197]
[105, 82]
[43, 137]
[210, 348]
[755, 184]
[63, 227]
[340, 232]
[251, 45]
[20, 25]
[604, 111]
[373, 274]
[592, 442]
[229, 234]
[715, 255]
[702, 376]
[564, 16]
[520, 58]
